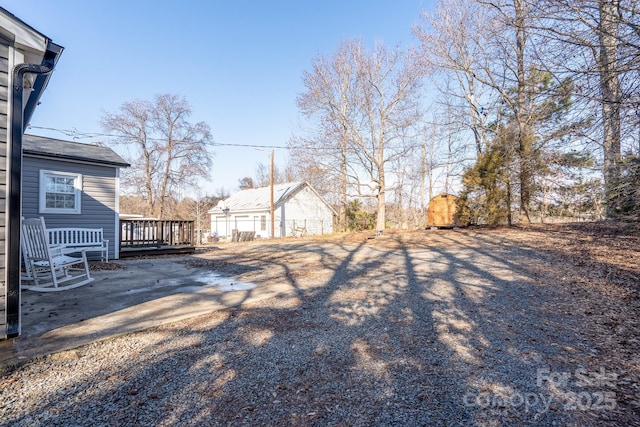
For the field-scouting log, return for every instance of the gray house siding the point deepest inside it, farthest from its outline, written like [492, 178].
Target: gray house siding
[98, 204]
[37, 56]
[4, 124]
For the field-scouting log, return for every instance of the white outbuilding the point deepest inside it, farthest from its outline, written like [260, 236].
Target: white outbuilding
[298, 210]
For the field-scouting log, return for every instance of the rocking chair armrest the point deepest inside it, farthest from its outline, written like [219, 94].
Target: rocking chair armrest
[62, 250]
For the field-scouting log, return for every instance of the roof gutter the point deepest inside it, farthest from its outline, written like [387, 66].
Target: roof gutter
[19, 121]
[42, 80]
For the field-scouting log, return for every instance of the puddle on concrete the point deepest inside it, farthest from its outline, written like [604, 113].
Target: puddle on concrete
[224, 284]
[204, 280]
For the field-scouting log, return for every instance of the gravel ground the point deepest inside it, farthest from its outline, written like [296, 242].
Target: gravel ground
[417, 328]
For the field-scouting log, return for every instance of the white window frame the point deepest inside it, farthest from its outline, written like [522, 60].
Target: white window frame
[77, 183]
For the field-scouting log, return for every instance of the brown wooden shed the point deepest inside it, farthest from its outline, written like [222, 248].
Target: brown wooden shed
[442, 211]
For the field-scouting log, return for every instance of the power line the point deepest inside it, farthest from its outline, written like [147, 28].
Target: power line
[76, 134]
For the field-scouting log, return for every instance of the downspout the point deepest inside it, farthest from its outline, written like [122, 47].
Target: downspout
[14, 203]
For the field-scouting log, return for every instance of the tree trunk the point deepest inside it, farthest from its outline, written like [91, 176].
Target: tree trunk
[611, 97]
[423, 178]
[343, 187]
[381, 218]
[149, 184]
[381, 210]
[526, 174]
[476, 120]
[525, 149]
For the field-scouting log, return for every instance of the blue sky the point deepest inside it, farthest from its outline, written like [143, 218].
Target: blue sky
[238, 63]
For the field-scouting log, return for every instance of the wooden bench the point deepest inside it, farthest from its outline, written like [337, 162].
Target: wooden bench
[86, 239]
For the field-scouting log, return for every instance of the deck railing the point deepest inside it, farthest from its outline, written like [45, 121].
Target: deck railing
[143, 233]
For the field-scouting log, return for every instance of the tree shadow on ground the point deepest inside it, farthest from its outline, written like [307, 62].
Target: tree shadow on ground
[450, 331]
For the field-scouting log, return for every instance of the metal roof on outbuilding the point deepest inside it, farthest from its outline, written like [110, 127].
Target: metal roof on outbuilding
[258, 199]
[68, 150]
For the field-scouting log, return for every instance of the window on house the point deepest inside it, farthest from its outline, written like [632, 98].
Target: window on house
[60, 192]
[263, 223]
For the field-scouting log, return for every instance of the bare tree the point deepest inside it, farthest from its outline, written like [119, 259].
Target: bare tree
[453, 44]
[332, 98]
[318, 170]
[197, 209]
[602, 39]
[168, 152]
[245, 183]
[506, 60]
[263, 175]
[535, 58]
[507, 68]
[366, 103]
[131, 204]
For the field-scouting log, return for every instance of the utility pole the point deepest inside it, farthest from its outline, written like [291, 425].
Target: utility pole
[271, 207]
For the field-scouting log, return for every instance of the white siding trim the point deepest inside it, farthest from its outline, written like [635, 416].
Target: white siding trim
[22, 35]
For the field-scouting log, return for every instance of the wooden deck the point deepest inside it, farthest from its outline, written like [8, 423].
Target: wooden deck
[156, 237]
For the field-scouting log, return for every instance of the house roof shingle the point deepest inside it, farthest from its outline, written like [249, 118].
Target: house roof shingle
[50, 147]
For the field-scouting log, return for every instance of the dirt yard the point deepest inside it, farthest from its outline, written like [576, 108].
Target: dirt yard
[514, 326]
[562, 299]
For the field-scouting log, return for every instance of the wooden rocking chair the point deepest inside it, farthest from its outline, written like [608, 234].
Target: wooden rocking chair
[50, 268]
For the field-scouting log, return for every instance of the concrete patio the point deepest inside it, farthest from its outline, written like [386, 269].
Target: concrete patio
[142, 294]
